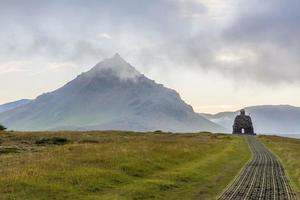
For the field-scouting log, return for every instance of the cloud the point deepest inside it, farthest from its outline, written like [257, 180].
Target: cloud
[104, 36]
[258, 43]
[243, 40]
[13, 67]
[60, 66]
[269, 29]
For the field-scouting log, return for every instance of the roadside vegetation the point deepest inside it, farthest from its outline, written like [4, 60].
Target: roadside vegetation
[2, 128]
[288, 150]
[118, 165]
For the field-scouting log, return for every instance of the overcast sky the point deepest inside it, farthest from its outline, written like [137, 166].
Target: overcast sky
[218, 54]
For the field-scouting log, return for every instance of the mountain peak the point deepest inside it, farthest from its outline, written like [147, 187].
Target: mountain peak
[115, 66]
[117, 55]
[113, 95]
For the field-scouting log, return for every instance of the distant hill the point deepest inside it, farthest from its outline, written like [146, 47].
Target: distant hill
[273, 119]
[113, 95]
[13, 105]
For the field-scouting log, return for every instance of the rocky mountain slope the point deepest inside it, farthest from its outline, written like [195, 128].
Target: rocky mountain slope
[13, 105]
[112, 95]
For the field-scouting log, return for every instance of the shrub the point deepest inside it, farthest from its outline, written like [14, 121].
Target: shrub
[2, 128]
[54, 140]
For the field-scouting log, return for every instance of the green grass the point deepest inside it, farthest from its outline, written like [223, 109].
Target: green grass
[288, 150]
[113, 165]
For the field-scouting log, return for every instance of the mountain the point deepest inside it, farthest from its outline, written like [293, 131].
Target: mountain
[272, 119]
[13, 105]
[113, 95]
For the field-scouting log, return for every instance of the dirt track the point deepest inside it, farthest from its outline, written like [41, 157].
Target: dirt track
[262, 178]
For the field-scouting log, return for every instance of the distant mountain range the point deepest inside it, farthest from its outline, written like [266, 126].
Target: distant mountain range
[13, 105]
[113, 95]
[267, 119]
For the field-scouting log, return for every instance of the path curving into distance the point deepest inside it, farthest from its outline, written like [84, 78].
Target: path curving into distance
[262, 178]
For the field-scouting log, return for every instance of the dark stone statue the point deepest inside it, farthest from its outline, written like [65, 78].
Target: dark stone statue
[243, 124]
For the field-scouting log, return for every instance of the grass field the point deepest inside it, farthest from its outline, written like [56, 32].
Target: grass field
[113, 165]
[288, 150]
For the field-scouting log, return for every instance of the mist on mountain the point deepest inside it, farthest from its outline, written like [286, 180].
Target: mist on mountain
[113, 95]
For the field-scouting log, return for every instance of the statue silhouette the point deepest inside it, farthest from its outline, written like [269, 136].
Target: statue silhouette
[243, 124]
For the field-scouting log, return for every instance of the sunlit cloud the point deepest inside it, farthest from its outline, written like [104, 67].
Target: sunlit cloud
[104, 36]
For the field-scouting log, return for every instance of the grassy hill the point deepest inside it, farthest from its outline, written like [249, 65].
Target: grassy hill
[118, 165]
[288, 150]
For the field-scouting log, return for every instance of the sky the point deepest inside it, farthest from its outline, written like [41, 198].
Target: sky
[218, 54]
